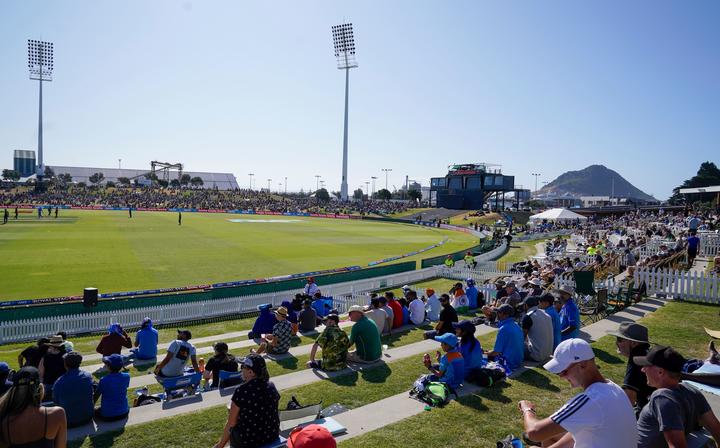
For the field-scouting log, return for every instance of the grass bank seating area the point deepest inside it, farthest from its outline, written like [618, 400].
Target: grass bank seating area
[374, 396]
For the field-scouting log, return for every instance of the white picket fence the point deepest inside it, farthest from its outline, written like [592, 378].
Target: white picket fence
[680, 285]
[709, 244]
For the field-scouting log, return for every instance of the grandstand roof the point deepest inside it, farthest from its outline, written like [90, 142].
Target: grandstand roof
[223, 181]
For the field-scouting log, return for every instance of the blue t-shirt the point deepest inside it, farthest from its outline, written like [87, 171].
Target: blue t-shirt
[570, 315]
[147, 340]
[73, 391]
[472, 294]
[693, 242]
[557, 325]
[453, 368]
[406, 316]
[113, 394]
[473, 358]
[510, 342]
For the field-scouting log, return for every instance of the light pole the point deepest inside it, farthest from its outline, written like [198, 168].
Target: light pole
[536, 178]
[40, 66]
[285, 184]
[251, 176]
[373, 182]
[344, 44]
[386, 170]
[119, 164]
[317, 182]
[322, 184]
[269, 180]
[367, 188]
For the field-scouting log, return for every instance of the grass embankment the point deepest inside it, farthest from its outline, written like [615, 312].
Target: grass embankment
[493, 411]
[106, 249]
[409, 212]
[518, 251]
[464, 219]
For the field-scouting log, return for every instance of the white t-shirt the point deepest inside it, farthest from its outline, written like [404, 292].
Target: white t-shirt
[433, 308]
[417, 311]
[310, 289]
[600, 417]
[182, 351]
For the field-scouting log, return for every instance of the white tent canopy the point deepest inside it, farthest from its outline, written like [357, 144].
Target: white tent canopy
[557, 214]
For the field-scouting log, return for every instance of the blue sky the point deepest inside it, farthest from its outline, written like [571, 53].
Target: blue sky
[542, 87]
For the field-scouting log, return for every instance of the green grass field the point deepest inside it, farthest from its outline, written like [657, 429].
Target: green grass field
[105, 249]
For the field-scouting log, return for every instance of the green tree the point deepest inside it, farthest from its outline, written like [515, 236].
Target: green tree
[197, 181]
[123, 181]
[10, 175]
[65, 177]
[49, 172]
[163, 183]
[415, 195]
[358, 194]
[96, 178]
[175, 183]
[322, 194]
[109, 183]
[185, 179]
[384, 194]
[81, 184]
[708, 175]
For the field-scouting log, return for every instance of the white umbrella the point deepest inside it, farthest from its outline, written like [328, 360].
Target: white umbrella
[557, 214]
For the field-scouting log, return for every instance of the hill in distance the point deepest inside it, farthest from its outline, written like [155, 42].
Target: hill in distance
[595, 180]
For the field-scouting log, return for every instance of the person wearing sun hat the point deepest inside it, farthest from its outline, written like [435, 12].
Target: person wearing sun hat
[569, 313]
[675, 408]
[451, 366]
[632, 340]
[364, 336]
[599, 417]
[52, 365]
[279, 341]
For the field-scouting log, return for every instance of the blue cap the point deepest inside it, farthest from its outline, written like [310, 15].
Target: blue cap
[447, 338]
[115, 360]
[470, 282]
[4, 367]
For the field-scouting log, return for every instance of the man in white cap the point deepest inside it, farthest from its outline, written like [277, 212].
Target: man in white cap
[364, 336]
[599, 417]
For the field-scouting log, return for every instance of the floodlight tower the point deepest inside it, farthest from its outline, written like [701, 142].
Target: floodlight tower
[344, 44]
[40, 66]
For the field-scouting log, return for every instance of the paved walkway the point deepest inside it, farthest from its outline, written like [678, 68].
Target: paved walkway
[152, 412]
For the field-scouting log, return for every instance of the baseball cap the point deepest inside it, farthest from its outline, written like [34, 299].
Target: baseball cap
[465, 325]
[187, 333]
[569, 352]
[662, 356]
[312, 436]
[115, 360]
[73, 359]
[406, 287]
[4, 367]
[254, 362]
[447, 338]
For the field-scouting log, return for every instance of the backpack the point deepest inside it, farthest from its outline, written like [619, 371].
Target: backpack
[432, 393]
[486, 376]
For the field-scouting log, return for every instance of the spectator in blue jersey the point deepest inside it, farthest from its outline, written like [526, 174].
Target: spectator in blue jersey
[320, 305]
[569, 313]
[545, 302]
[451, 367]
[146, 341]
[473, 295]
[74, 391]
[509, 342]
[5, 372]
[470, 347]
[264, 323]
[112, 391]
[692, 246]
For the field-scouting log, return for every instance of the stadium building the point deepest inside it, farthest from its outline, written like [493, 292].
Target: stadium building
[24, 162]
[469, 186]
[221, 181]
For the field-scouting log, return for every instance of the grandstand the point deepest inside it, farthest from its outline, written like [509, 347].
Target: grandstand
[221, 181]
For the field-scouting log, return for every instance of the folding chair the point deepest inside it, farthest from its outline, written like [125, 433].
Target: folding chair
[180, 386]
[228, 379]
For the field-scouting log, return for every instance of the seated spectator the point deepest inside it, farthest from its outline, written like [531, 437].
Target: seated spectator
[31, 356]
[264, 322]
[52, 365]
[569, 313]
[451, 366]
[510, 297]
[67, 345]
[416, 309]
[599, 417]
[448, 315]
[74, 392]
[311, 288]
[308, 317]
[534, 287]
[297, 303]
[21, 415]
[432, 306]
[458, 299]
[292, 316]
[378, 315]
[537, 328]
[390, 313]
[474, 297]
[334, 343]
[509, 339]
[5, 383]
[405, 311]
[364, 336]
[114, 341]
[675, 409]
[112, 390]
[253, 420]
[146, 341]
[221, 360]
[321, 306]
[279, 341]
[470, 348]
[397, 312]
[179, 351]
[545, 303]
[632, 340]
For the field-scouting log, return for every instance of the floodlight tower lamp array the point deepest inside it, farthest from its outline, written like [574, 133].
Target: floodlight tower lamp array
[40, 66]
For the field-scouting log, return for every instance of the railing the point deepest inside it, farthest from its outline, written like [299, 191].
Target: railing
[681, 285]
[709, 244]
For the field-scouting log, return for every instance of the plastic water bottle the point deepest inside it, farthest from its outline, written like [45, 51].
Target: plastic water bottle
[517, 443]
[201, 365]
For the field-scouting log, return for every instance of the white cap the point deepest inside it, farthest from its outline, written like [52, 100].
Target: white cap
[406, 287]
[569, 352]
[356, 308]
